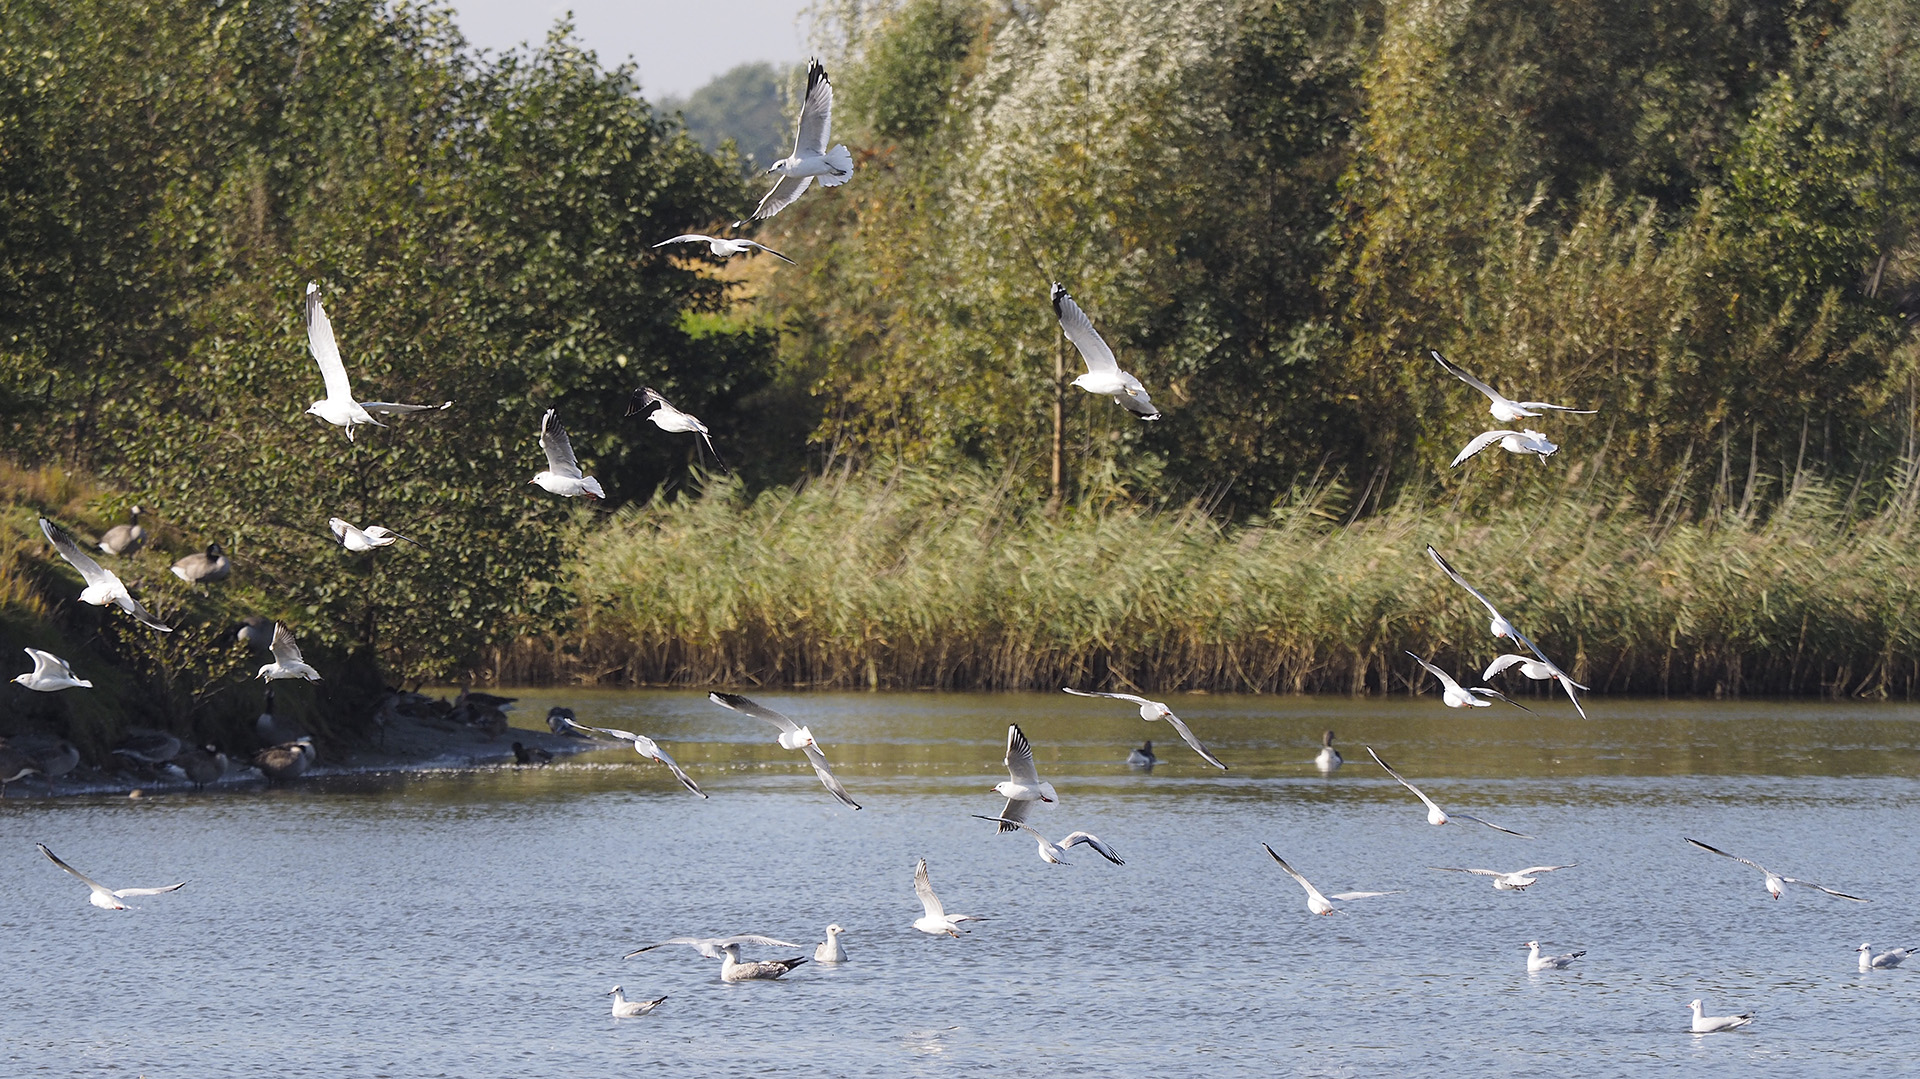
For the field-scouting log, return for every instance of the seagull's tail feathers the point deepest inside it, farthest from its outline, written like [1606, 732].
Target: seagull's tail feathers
[841, 159]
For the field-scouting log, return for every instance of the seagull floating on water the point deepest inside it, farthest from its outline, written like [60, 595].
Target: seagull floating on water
[1317, 903]
[1710, 1024]
[287, 661]
[1435, 815]
[1774, 880]
[648, 748]
[1454, 696]
[1103, 375]
[1503, 409]
[1886, 960]
[1052, 853]
[1528, 441]
[810, 157]
[727, 950]
[1537, 962]
[104, 897]
[936, 922]
[364, 539]
[1516, 881]
[792, 736]
[1498, 625]
[338, 407]
[50, 674]
[671, 419]
[103, 587]
[1328, 760]
[1025, 787]
[562, 475]
[1152, 710]
[727, 246]
[627, 1009]
[830, 950]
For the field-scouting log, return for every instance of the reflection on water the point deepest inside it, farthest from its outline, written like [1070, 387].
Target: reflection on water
[469, 922]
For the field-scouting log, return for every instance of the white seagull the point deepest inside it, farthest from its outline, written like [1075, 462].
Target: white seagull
[1317, 903]
[1500, 627]
[287, 662]
[1152, 710]
[50, 674]
[1025, 787]
[1453, 695]
[562, 475]
[1528, 441]
[364, 539]
[103, 587]
[727, 950]
[338, 407]
[830, 950]
[1537, 962]
[1516, 881]
[726, 246]
[1103, 370]
[792, 736]
[627, 1009]
[642, 745]
[671, 419]
[810, 157]
[1710, 1024]
[1435, 815]
[936, 921]
[1886, 960]
[1052, 853]
[1503, 409]
[104, 897]
[1774, 880]
[712, 947]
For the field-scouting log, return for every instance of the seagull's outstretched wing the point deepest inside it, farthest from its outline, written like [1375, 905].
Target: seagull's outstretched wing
[782, 196]
[129, 893]
[559, 450]
[1091, 840]
[1312, 892]
[1187, 736]
[1475, 872]
[1488, 691]
[1559, 408]
[1501, 663]
[1480, 442]
[827, 780]
[1113, 696]
[392, 408]
[284, 648]
[711, 946]
[686, 238]
[1462, 582]
[816, 113]
[46, 664]
[1823, 888]
[1362, 895]
[923, 888]
[1446, 680]
[644, 398]
[326, 351]
[84, 879]
[755, 709]
[1461, 373]
[758, 246]
[1724, 854]
[1417, 792]
[98, 577]
[1079, 329]
[1534, 870]
[1488, 823]
[1019, 758]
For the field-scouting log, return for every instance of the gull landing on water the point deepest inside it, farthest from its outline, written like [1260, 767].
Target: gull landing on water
[1498, 625]
[1774, 880]
[103, 586]
[1528, 441]
[1437, 816]
[1504, 409]
[1453, 695]
[1103, 375]
[1025, 787]
[671, 419]
[104, 897]
[562, 476]
[642, 745]
[1886, 960]
[50, 674]
[726, 246]
[1537, 962]
[936, 921]
[792, 736]
[1713, 1024]
[338, 407]
[1053, 853]
[1317, 903]
[1152, 710]
[810, 157]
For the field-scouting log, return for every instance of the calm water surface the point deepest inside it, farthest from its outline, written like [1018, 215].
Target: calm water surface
[467, 922]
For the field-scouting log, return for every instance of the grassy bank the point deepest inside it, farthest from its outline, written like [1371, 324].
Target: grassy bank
[920, 581]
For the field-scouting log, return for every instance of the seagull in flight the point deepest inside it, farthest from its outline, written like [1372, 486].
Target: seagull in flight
[810, 157]
[936, 921]
[1317, 903]
[1528, 441]
[669, 418]
[562, 475]
[1886, 960]
[364, 539]
[1774, 880]
[1537, 962]
[1103, 370]
[1435, 815]
[642, 745]
[1530, 667]
[1516, 881]
[727, 950]
[792, 736]
[103, 587]
[1498, 625]
[50, 674]
[338, 407]
[1503, 409]
[1025, 786]
[287, 662]
[1712, 1024]
[627, 1009]
[712, 947]
[104, 897]
[1152, 710]
[1454, 696]
[727, 246]
[1052, 853]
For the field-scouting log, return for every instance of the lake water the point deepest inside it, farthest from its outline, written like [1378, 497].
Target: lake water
[468, 923]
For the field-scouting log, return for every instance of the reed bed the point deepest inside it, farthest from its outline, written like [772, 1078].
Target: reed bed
[951, 581]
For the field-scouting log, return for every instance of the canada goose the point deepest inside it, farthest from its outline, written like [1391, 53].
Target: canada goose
[1143, 757]
[51, 757]
[272, 730]
[561, 721]
[201, 766]
[255, 630]
[206, 568]
[13, 765]
[123, 540]
[285, 761]
[146, 746]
